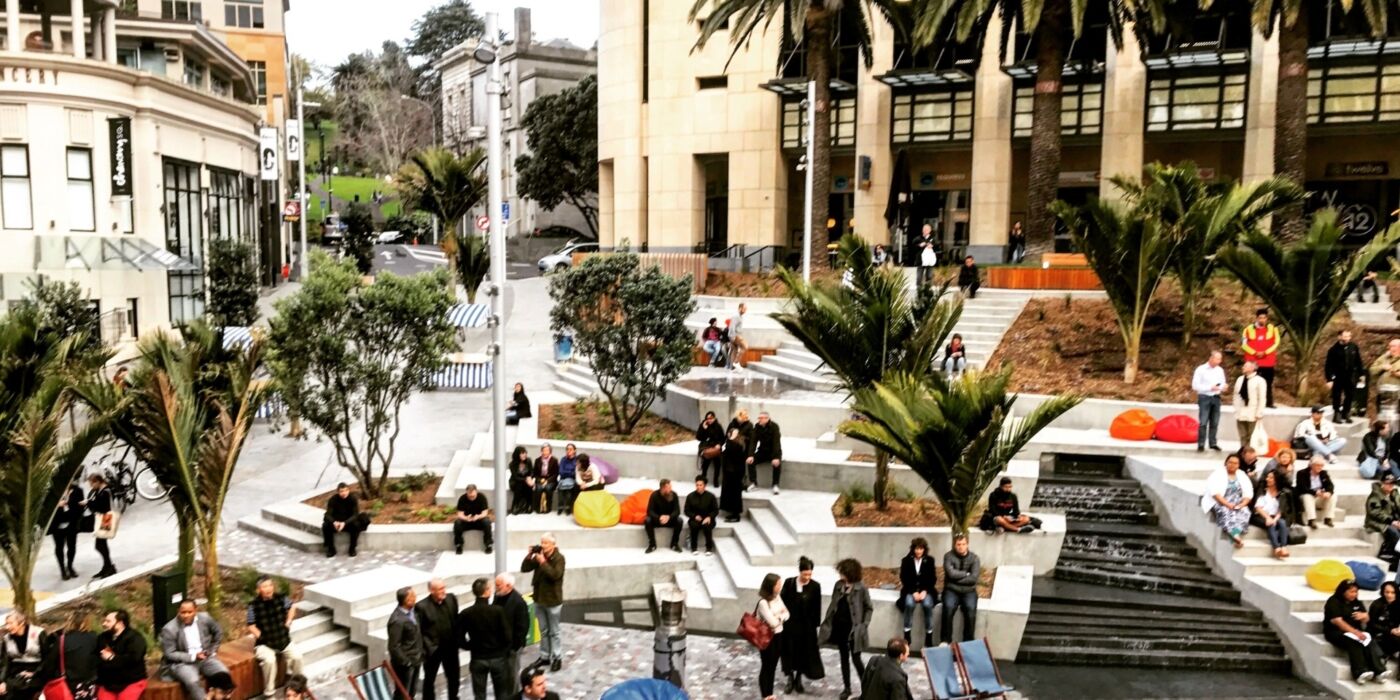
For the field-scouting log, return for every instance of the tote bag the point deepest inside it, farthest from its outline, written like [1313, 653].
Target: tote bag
[754, 629]
[106, 526]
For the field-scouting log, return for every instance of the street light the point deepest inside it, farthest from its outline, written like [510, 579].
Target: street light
[304, 193]
[486, 53]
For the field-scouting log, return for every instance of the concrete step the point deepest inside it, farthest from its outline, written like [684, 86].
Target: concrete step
[805, 379]
[1212, 660]
[281, 533]
[693, 583]
[324, 645]
[754, 544]
[1116, 578]
[1109, 639]
[309, 625]
[1293, 565]
[795, 363]
[337, 666]
[771, 528]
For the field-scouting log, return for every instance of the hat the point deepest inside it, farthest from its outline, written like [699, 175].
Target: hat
[1316, 409]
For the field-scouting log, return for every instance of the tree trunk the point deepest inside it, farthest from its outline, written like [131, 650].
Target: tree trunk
[882, 479]
[185, 549]
[819, 70]
[296, 430]
[450, 244]
[1291, 121]
[1188, 315]
[22, 584]
[1130, 360]
[1044, 176]
[213, 581]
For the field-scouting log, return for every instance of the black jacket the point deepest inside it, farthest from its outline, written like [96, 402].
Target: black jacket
[1304, 483]
[129, 664]
[926, 580]
[486, 630]
[658, 506]
[745, 430]
[949, 350]
[70, 516]
[884, 680]
[709, 435]
[1003, 504]
[438, 622]
[1343, 363]
[1369, 442]
[342, 510]
[517, 618]
[405, 639]
[767, 442]
[521, 403]
[701, 505]
[967, 276]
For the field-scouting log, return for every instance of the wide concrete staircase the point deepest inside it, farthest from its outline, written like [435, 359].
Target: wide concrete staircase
[1378, 313]
[326, 648]
[1128, 592]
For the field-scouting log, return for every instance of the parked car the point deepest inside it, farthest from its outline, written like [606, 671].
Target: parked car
[563, 258]
[390, 237]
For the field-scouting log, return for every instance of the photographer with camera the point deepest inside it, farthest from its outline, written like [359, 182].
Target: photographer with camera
[547, 563]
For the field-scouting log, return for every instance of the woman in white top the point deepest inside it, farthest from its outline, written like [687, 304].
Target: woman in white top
[772, 611]
[1269, 514]
[588, 477]
[1228, 495]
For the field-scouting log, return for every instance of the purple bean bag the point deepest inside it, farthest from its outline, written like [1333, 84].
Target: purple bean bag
[608, 471]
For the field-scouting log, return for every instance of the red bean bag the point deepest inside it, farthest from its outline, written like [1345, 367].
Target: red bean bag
[1135, 424]
[1275, 446]
[1177, 428]
[634, 507]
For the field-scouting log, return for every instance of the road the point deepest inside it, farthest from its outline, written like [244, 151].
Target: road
[413, 259]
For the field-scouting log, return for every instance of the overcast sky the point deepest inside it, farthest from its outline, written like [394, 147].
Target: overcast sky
[326, 31]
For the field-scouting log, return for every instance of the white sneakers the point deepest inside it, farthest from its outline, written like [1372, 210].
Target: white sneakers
[775, 490]
[1365, 678]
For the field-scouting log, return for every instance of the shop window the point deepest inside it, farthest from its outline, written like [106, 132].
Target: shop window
[1081, 109]
[1193, 102]
[933, 116]
[225, 204]
[184, 226]
[14, 187]
[843, 123]
[1358, 93]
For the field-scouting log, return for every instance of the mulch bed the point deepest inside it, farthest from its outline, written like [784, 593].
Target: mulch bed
[883, 577]
[410, 499]
[757, 284]
[1073, 345]
[591, 421]
[918, 512]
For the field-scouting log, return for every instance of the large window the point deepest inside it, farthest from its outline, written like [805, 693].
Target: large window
[194, 74]
[259, 78]
[933, 116]
[247, 14]
[1361, 93]
[81, 212]
[184, 237]
[843, 123]
[183, 10]
[1191, 102]
[225, 204]
[14, 187]
[1081, 109]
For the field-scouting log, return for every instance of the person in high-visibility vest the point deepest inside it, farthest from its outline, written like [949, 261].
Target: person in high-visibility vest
[1260, 346]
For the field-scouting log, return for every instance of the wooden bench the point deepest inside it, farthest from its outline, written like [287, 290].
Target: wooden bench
[238, 657]
[1064, 260]
[1068, 271]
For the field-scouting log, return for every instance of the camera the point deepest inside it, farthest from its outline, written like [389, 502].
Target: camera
[536, 549]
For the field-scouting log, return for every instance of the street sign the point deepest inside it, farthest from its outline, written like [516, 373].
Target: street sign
[505, 212]
[291, 211]
[483, 223]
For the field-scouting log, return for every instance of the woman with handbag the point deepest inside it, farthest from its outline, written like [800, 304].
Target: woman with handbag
[70, 662]
[773, 613]
[64, 528]
[99, 503]
[847, 620]
[711, 439]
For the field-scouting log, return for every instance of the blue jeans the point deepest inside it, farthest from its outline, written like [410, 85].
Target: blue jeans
[952, 601]
[927, 604]
[954, 365]
[715, 348]
[1371, 468]
[551, 647]
[1278, 533]
[1326, 450]
[1208, 415]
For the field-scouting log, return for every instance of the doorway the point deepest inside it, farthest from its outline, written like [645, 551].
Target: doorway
[716, 168]
[948, 214]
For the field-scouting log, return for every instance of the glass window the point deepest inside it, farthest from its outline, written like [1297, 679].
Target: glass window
[932, 116]
[219, 86]
[81, 212]
[1349, 94]
[1192, 102]
[184, 236]
[132, 330]
[843, 123]
[225, 204]
[260, 78]
[1081, 109]
[246, 14]
[194, 74]
[14, 187]
[184, 10]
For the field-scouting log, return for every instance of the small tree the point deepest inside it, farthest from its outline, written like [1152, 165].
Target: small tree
[956, 435]
[64, 310]
[1305, 283]
[563, 163]
[347, 356]
[233, 283]
[1130, 253]
[473, 264]
[446, 185]
[630, 323]
[359, 236]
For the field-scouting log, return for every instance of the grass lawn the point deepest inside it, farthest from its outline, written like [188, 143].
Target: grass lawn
[347, 187]
[313, 139]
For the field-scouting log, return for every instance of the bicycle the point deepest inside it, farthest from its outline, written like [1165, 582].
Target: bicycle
[126, 484]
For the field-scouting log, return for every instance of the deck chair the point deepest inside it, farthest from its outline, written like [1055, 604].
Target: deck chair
[975, 658]
[378, 683]
[947, 678]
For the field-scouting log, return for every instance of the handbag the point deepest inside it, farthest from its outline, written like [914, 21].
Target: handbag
[107, 526]
[755, 630]
[57, 689]
[1259, 439]
[712, 452]
[1297, 534]
[86, 522]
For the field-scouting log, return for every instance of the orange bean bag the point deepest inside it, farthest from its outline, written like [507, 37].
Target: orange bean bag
[1135, 424]
[1275, 446]
[1177, 428]
[634, 508]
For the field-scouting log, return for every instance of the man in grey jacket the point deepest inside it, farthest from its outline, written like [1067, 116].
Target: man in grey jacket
[406, 641]
[190, 652]
[961, 570]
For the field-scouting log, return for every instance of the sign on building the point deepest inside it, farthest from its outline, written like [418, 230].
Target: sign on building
[119, 134]
[293, 140]
[267, 152]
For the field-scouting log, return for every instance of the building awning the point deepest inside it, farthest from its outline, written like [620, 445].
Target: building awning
[797, 87]
[237, 337]
[1185, 60]
[468, 315]
[1026, 70]
[105, 254]
[1357, 48]
[915, 78]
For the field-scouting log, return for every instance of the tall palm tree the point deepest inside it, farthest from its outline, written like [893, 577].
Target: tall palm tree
[39, 457]
[1054, 25]
[1306, 282]
[956, 435]
[813, 22]
[870, 329]
[447, 186]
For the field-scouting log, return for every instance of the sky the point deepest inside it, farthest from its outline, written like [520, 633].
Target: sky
[326, 31]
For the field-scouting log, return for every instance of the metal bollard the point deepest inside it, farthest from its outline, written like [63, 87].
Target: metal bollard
[668, 664]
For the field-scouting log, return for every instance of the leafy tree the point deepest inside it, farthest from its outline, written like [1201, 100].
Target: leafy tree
[630, 323]
[811, 23]
[1130, 253]
[473, 264]
[39, 456]
[956, 435]
[434, 34]
[1306, 282]
[186, 413]
[447, 186]
[869, 330]
[64, 310]
[415, 225]
[359, 236]
[233, 283]
[347, 356]
[564, 168]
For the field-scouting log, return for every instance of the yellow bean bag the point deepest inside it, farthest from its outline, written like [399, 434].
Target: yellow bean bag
[600, 509]
[1326, 574]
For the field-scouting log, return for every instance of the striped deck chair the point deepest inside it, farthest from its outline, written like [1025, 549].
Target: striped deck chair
[378, 683]
[975, 658]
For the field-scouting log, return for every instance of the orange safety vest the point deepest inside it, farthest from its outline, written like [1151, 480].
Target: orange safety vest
[1261, 348]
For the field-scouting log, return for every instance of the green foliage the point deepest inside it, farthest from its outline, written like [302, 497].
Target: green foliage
[413, 482]
[1305, 283]
[443, 27]
[347, 357]
[416, 225]
[64, 310]
[858, 493]
[233, 283]
[359, 236]
[473, 264]
[567, 171]
[445, 185]
[630, 322]
[247, 583]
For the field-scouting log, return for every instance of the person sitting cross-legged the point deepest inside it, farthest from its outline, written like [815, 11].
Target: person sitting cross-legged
[664, 510]
[1003, 512]
[1375, 452]
[342, 515]
[701, 509]
[473, 513]
[1320, 435]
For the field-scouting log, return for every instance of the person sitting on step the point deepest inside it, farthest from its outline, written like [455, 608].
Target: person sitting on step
[1384, 624]
[589, 477]
[918, 588]
[1249, 460]
[1375, 448]
[472, 514]
[664, 510]
[1315, 490]
[1003, 512]
[1320, 435]
[1344, 626]
[1383, 516]
[567, 490]
[1228, 495]
[1270, 514]
[1283, 462]
[546, 476]
[522, 480]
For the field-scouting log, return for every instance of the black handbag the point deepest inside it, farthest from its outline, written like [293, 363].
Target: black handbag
[1297, 534]
[88, 522]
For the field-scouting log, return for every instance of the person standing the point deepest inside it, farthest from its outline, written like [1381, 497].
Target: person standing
[701, 509]
[517, 621]
[342, 515]
[189, 646]
[99, 503]
[473, 513]
[738, 346]
[711, 440]
[1015, 244]
[488, 639]
[1249, 401]
[969, 281]
[767, 448]
[847, 620]
[663, 510]
[927, 248]
[1260, 343]
[269, 619]
[1343, 369]
[21, 674]
[67, 520]
[731, 496]
[406, 641]
[547, 564]
[774, 613]
[918, 588]
[121, 659]
[802, 655]
[745, 426]
[884, 678]
[961, 572]
[437, 618]
[1208, 381]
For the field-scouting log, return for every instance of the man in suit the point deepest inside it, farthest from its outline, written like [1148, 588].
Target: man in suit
[488, 639]
[517, 620]
[406, 641]
[189, 647]
[534, 685]
[437, 617]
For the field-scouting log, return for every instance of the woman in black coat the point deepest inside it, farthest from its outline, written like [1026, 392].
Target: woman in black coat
[802, 654]
[847, 620]
[79, 663]
[519, 406]
[1384, 624]
[731, 497]
[710, 435]
[521, 486]
[64, 528]
[99, 503]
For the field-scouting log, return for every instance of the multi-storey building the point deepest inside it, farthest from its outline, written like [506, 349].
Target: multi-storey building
[697, 155]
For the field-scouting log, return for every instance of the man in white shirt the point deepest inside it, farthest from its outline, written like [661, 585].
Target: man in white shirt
[1208, 382]
[1321, 436]
[189, 652]
[927, 248]
[737, 344]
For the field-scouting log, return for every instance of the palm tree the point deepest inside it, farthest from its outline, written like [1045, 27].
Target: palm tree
[1054, 25]
[447, 186]
[1202, 218]
[1130, 254]
[1306, 282]
[39, 457]
[868, 330]
[956, 435]
[473, 264]
[187, 413]
[813, 22]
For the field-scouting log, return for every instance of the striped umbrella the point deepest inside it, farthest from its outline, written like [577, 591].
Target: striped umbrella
[468, 315]
[237, 337]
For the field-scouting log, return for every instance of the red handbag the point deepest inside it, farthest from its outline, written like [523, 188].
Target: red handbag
[754, 629]
[57, 689]
[712, 452]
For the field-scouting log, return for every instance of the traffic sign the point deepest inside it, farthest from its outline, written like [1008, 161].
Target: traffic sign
[291, 211]
[483, 223]
[505, 212]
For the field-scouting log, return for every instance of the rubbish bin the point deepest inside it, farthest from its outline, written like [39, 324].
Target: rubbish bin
[563, 348]
[669, 662]
[167, 591]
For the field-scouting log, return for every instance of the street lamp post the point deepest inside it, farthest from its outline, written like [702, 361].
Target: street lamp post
[305, 192]
[811, 158]
[488, 53]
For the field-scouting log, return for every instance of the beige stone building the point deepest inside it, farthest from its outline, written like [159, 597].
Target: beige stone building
[697, 156]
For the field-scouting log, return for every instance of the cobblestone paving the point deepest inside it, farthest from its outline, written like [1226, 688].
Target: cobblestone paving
[243, 548]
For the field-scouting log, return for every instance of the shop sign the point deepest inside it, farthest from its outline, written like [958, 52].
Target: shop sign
[28, 76]
[267, 152]
[119, 139]
[1371, 168]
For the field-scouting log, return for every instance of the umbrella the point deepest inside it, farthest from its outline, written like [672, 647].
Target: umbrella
[237, 337]
[644, 689]
[468, 315]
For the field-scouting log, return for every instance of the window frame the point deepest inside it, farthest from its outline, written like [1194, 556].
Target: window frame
[5, 180]
[1025, 93]
[225, 204]
[955, 98]
[840, 106]
[1319, 74]
[1224, 80]
[245, 14]
[259, 69]
[184, 201]
[90, 182]
[194, 10]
